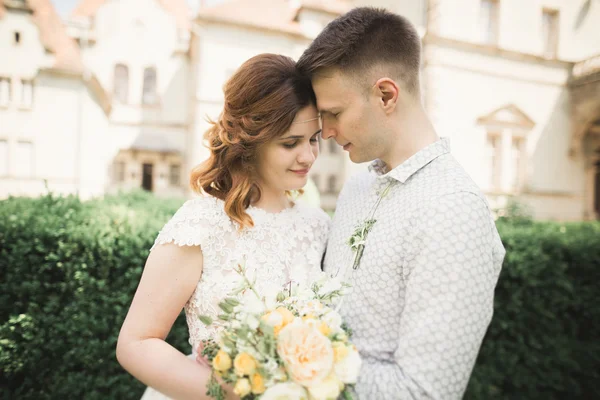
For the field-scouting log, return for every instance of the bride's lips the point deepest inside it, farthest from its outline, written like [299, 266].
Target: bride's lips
[300, 172]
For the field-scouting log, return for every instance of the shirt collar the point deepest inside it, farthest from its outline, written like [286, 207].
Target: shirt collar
[417, 161]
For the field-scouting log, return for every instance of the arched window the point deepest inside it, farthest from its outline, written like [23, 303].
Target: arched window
[149, 95]
[121, 83]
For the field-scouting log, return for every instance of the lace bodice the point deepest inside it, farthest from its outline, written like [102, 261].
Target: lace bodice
[278, 248]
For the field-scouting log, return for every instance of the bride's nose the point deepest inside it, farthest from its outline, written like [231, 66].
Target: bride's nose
[307, 155]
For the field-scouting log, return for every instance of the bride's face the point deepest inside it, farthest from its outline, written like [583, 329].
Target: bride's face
[284, 163]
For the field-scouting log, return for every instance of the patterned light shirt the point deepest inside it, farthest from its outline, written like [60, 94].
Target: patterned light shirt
[422, 295]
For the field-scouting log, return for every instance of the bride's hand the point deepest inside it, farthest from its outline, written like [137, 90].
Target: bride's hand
[229, 395]
[200, 358]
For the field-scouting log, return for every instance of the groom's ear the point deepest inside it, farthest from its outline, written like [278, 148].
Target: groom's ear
[386, 91]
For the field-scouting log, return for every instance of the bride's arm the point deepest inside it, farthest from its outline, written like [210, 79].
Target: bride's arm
[169, 279]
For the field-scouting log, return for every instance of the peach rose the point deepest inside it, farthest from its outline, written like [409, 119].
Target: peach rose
[306, 352]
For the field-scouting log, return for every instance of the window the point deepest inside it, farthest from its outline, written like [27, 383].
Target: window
[494, 150]
[489, 21]
[121, 83]
[17, 37]
[24, 157]
[3, 158]
[5, 92]
[332, 184]
[149, 95]
[119, 171]
[516, 161]
[26, 93]
[550, 32]
[174, 174]
[333, 146]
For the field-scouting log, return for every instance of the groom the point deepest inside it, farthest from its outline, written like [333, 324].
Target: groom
[425, 253]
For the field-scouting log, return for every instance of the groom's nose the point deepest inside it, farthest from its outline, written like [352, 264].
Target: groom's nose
[328, 131]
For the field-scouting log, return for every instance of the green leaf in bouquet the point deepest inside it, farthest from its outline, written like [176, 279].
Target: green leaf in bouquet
[228, 342]
[225, 307]
[214, 390]
[224, 317]
[266, 329]
[281, 296]
[346, 395]
[210, 348]
[232, 302]
[347, 329]
[206, 320]
[242, 332]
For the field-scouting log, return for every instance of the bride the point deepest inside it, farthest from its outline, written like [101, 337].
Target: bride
[262, 148]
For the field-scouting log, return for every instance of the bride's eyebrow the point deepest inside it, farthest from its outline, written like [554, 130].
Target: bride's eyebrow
[299, 136]
[292, 137]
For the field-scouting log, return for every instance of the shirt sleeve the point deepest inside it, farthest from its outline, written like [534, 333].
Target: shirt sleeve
[450, 276]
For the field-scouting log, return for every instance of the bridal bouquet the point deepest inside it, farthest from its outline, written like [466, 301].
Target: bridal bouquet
[287, 345]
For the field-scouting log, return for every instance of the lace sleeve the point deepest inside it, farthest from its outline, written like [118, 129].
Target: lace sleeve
[190, 226]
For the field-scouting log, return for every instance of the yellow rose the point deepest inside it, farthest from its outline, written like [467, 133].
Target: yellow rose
[242, 387]
[258, 384]
[340, 351]
[306, 352]
[244, 364]
[222, 361]
[286, 315]
[324, 329]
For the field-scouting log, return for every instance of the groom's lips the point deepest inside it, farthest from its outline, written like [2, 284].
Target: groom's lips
[347, 146]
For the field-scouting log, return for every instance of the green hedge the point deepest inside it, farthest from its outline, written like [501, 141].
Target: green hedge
[68, 271]
[543, 342]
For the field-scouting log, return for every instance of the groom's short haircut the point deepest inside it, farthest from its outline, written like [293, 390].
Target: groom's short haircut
[363, 38]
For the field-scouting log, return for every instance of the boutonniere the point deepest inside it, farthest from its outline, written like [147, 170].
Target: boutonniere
[359, 237]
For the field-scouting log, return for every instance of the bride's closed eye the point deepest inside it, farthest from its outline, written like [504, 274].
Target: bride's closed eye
[314, 139]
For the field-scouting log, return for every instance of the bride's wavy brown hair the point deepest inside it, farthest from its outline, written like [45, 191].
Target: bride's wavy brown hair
[261, 101]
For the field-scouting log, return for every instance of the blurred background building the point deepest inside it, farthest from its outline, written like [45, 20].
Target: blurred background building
[116, 95]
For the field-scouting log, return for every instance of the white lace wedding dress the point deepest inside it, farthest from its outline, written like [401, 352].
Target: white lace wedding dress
[283, 246]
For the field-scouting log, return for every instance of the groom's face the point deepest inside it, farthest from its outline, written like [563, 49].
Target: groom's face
[348, 115]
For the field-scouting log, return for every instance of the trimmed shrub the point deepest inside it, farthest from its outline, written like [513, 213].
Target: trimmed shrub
[69, 269]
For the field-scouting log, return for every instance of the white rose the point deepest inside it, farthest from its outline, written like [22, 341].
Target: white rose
[285, 391]
[328, 388]
[348, 368]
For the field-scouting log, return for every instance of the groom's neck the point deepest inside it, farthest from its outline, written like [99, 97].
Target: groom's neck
[412, 131]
